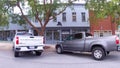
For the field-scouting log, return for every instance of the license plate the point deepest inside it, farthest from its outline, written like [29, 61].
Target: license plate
[31, 47]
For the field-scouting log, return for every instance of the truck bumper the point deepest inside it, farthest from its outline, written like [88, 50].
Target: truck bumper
[29, 48]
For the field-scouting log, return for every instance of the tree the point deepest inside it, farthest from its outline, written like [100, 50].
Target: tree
[104, 8]
[42, 10]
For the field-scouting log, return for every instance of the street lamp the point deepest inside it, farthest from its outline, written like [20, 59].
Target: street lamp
[59, 24]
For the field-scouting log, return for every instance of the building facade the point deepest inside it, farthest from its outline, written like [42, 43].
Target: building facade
[103, 27]
[69, 22]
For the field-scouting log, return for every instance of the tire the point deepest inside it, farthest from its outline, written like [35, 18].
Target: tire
[59, 50]
[98, 53]
[16, 54]
[38, 53]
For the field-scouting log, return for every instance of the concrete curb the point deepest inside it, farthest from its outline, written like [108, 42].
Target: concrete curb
[49, 47]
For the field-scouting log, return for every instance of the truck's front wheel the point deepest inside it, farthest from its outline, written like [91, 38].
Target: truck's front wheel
[59, 50]
[98, 53]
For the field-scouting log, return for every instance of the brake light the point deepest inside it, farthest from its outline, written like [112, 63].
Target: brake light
[17, 40]
[43, 40]
[117, 40]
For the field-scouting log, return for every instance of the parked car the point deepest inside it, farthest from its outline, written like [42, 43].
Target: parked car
[26, 42]
[85, 42]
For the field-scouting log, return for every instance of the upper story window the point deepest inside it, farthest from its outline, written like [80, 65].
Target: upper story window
[83, 15]
[64, 17]
[55, 18]
[74, 16]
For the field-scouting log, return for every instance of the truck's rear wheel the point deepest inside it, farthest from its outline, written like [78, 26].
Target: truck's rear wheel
[98, 53]
[16, 54]
[38, 53]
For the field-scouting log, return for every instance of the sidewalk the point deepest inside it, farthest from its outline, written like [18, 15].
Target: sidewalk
[49, 47]
[4, 45]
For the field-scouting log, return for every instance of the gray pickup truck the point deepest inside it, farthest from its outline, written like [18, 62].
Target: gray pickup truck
[85, 42]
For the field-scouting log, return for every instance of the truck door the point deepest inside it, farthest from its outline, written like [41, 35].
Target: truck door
[77, 42]
[68, 42]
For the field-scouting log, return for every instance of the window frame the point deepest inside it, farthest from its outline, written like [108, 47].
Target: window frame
[55, 18]
[74, 17]
[83, 16]
[64, 17]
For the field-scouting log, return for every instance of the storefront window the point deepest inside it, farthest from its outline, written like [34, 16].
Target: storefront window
[52, 36]
[65, 34]
[49, 35]
[101, 34]
[56, 35]
[7, 35]
[76, 31]
[96, 33]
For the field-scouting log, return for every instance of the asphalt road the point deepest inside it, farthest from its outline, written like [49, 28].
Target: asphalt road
[49, 59]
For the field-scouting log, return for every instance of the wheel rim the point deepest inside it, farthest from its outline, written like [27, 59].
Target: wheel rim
[59, 50]
[97, 54]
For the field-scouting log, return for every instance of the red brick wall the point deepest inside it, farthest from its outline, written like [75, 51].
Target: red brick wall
[102, 24]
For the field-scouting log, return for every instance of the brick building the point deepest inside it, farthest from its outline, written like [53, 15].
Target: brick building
[102, 27]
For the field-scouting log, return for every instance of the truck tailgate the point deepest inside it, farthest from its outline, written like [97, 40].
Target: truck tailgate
[30, 40]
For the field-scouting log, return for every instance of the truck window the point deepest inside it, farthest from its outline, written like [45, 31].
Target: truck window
[74, 36]
[24, 34]
[88, 34]
[78, 36]
[70, 37]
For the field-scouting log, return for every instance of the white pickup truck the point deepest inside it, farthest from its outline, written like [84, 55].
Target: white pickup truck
[25, 42]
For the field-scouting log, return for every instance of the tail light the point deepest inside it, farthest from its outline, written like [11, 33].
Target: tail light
[43, 40]
[17, 40]
[117, 40]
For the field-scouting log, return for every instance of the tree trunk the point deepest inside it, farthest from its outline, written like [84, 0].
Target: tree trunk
[42, 31]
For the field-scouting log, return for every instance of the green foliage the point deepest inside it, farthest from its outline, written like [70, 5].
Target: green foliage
[3, 20]
[103, 8]
[43, 8]
[17, 19]
[3, 15]
[6, 12]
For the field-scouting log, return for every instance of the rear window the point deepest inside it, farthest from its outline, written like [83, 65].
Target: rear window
[23, 34]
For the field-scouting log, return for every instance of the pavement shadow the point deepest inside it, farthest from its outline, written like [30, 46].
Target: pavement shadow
[115, 56]
[110, 57]
[79, 54]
